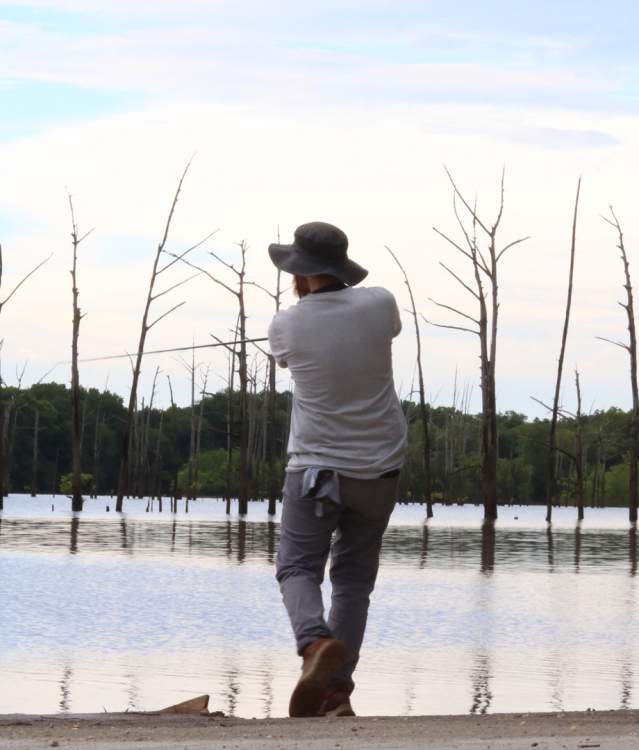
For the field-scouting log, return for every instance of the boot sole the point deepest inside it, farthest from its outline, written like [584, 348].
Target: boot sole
[344, 709]
[308, 696]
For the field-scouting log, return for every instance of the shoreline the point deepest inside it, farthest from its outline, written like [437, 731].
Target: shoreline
[612, 730]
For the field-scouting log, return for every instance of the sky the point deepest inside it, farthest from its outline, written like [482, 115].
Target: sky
[336, 111]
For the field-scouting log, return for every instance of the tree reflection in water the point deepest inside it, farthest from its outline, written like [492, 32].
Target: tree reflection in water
[73, 541]
[577, 546]
[65, 690]
[423, 556]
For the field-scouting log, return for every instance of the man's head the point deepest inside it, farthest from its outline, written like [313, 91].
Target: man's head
[319, 250]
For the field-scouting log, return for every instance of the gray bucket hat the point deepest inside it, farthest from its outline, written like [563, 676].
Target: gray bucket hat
[318, 248]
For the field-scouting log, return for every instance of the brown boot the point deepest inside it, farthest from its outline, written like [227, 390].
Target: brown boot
[336, 703]
[322, 658]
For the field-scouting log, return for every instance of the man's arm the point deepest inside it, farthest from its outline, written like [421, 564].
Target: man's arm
[276, 342]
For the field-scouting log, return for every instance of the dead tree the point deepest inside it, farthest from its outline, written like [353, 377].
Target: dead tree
[551, 486]
[631, 348]
[34, 461]
[577, 457]
[269, 437]
[155, 477]
[13, 409]
[192, 369]
[230, 382]
[3, 414]
[200, 423]
[486, 294]
[146, 326]
[424, 408]
[579, 453]
[146, 460]
[238, 293]
[76, 428]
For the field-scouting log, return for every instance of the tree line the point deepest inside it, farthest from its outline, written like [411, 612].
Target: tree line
[184, 451]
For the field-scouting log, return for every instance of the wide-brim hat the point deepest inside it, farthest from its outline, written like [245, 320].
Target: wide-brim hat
[319, 248]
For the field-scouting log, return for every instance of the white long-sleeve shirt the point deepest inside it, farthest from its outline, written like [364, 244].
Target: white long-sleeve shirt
[346, 415]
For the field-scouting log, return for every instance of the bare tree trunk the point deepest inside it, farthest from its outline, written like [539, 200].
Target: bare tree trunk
[148, 483]
[155, 479]
[2, 455]
[631, 348]
[198, 441]
[424, 408]
[244, 468]
[34, 463]
[486, 328]
[168, 377]
[551, 490]
[579, 454]
[191, 465]
[3, 414]
[243, 374]
[76, 428]
[123, 484]
[270, 430]
[96, 451]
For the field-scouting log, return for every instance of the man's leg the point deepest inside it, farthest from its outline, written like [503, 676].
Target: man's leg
[301, 559]
[367, 505]
[304, 545]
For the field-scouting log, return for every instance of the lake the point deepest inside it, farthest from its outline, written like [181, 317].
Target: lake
[140, 610]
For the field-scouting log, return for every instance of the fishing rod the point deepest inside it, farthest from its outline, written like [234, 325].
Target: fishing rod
[175, 349]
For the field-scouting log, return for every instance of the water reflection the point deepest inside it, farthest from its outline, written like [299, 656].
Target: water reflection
[132, 691]
[241, 541]
[232, 692]
[551, 612]
[423, 557]
[270, 542]
[423, 547]
[65, 689]
[551, 549]
[577, 546]
[75, 526]
[482, 695]
[488, 545]
[267, 689]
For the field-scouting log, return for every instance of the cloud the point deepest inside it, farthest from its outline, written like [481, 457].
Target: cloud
[521, 132]
[308, 55]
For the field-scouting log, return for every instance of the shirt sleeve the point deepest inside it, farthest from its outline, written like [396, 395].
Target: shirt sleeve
[397, 321]
[276, 342]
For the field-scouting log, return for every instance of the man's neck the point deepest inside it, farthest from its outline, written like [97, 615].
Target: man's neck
[318, 283]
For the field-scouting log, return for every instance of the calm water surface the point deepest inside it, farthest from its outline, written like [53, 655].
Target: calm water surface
[140, 610]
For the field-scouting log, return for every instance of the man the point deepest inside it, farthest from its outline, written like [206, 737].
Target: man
[346, 447]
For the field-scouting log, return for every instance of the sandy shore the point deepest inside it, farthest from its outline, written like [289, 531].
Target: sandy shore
[609, 730]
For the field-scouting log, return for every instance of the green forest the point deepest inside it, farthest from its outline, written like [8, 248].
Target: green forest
[184, 451]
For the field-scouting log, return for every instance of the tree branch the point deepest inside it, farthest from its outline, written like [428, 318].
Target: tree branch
[453, 309]
[205, 272]
[511, 244]
[21, 282]
[168, 312]
[175, 286]
[176, 258]
[453, 328]
[455, 276]
[472, 212]
[614, 343]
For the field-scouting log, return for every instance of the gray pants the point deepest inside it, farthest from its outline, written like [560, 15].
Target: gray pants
[359, 524]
